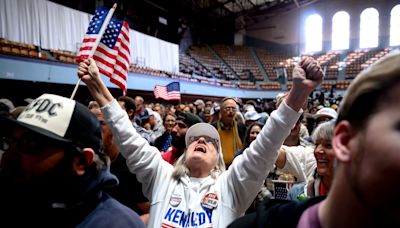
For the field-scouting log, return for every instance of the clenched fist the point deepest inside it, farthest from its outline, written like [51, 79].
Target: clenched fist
[88, 70]
[306, 77]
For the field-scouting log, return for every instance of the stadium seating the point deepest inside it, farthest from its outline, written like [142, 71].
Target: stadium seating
[200, 65]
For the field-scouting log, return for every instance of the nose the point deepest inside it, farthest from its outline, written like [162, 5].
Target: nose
[175, 128]
[202, 140]
[320, 150]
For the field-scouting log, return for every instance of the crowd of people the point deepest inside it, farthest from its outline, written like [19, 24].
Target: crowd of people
[123, 162]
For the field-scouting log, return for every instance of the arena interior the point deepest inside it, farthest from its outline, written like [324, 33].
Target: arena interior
[214, 48]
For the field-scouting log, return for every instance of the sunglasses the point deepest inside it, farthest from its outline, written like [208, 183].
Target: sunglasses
[208, 139]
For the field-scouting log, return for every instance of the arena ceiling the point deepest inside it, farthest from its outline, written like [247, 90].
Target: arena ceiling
[227, 10]
[209, 20]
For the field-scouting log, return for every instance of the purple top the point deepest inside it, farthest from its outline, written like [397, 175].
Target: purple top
[309, 218]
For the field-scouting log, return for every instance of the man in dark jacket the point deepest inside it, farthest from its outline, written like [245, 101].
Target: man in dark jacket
[53, 171]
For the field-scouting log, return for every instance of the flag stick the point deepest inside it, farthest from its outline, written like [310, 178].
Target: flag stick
[98, 38]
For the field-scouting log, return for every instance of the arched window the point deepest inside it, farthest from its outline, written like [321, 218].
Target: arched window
[340, 31]
[313, 33]
[369, 28]
[395, 26]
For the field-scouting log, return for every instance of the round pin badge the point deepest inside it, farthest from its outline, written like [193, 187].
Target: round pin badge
[175, 200]
[210, 201]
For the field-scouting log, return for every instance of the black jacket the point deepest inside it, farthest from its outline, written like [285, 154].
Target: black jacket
[276, 213]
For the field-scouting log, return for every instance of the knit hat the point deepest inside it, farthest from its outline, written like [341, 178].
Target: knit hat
[188, 118]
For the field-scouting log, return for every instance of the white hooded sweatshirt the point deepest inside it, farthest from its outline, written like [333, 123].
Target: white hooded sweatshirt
[200, 202]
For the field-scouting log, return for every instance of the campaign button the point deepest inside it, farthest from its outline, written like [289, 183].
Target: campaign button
[175, 200]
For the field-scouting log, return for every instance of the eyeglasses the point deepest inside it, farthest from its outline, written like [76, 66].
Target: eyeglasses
[208, 139]
[233, 109]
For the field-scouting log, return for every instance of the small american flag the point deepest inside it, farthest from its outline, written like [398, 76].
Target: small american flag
[169, 92]
[112, 55]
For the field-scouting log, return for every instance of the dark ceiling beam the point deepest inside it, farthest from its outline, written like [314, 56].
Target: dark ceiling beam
[272, 11]
[156, 5]
[297, 3]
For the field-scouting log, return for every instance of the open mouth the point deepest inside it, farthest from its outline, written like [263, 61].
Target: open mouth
[200, 148]
[322, 160]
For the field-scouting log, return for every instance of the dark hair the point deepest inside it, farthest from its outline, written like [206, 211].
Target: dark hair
[247, 135]
[168, 114]
[129, 103]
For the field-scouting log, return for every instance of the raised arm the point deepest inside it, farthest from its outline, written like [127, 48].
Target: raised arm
[247, 172]
[142, 159]
[306, 77]
[89, 74]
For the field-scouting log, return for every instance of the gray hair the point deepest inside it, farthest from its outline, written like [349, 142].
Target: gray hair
[181, 170]
[93, 104]
[324, 131]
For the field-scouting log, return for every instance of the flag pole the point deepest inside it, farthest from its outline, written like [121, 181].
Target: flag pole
[98, 38]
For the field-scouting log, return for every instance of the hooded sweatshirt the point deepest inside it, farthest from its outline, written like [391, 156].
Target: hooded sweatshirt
[83, 204]
[200, 202]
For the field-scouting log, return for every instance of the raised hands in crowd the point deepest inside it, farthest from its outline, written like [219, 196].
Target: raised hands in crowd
[221, 196]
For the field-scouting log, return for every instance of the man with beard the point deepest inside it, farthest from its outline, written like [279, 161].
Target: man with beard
[53, 171]
[183, 121]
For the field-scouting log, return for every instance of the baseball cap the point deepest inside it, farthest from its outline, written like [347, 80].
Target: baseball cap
[146, 113]
[252, 115]
[203, 129]
[61, 119]
[329, 112]
[188, 118]
[249, 107]
[7, 103]
[199, 101]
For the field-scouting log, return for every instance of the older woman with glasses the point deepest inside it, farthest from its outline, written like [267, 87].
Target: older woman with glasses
[198, 192]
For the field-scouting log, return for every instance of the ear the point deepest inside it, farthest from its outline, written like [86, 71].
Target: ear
[83, 160]
[341, 141]
[130, 112]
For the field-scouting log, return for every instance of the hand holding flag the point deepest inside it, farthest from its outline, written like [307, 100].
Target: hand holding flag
[111, 50]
